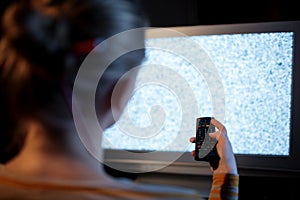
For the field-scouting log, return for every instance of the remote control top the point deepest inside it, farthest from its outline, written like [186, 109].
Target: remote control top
[205, 146]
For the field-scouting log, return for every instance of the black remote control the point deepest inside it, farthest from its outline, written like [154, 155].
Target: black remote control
[205, 146]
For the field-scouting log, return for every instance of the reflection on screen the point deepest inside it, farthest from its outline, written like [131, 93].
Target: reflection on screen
[256, 73]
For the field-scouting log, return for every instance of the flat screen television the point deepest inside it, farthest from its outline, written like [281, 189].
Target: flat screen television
[245, 75]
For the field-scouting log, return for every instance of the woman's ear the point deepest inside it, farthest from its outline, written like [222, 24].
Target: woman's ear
[122, 92]
[112, 104]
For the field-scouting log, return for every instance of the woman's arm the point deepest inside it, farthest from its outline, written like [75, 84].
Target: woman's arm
[225, 175]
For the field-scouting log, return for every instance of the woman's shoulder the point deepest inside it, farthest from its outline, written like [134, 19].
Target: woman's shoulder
[18, 187]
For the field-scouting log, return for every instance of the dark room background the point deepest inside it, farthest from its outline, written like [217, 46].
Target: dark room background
[197, 12]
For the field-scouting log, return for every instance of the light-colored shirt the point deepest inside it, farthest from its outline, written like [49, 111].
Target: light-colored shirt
[13, 186]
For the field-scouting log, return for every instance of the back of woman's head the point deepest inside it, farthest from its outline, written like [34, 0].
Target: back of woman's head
[36, 53]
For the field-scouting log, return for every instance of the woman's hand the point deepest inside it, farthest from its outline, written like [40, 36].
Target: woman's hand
[227, 162]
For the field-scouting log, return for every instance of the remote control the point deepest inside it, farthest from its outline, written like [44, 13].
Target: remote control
[205, 146]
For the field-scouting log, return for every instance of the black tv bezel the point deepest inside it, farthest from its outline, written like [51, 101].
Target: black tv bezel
[247, 164]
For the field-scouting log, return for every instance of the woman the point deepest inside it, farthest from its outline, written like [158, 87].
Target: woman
[42, 47]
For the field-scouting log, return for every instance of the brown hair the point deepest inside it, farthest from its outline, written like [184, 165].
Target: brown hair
[36, 43]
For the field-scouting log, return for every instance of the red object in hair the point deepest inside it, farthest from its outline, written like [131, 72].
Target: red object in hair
[85, 47]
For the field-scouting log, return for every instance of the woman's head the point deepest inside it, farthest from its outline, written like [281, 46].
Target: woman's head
[37, 56]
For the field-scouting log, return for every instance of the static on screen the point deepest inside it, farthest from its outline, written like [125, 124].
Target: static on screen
[256, 73]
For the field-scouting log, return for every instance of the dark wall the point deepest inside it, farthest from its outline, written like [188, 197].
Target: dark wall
[197, 12]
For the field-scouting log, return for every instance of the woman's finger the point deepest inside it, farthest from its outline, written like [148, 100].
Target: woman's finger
[218, 125]
[193, 139]
[193, 153]
[215, 135]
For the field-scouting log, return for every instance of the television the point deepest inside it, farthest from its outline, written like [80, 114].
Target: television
[245, 75]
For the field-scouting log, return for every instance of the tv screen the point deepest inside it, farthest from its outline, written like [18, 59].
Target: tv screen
[244, 75]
